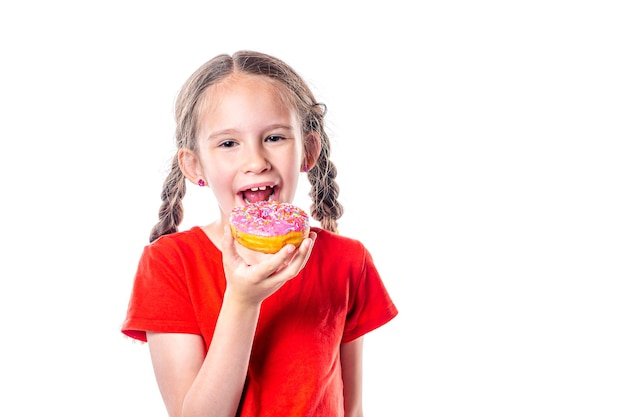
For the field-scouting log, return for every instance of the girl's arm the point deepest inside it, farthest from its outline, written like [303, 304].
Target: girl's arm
[194, 384]
[352, 374]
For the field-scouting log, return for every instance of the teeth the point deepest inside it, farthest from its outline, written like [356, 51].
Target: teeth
[259, 188]
[265, 187]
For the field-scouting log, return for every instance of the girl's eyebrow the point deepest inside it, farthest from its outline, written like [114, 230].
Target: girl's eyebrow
[229, 132]
[225, 132]
[279, 126]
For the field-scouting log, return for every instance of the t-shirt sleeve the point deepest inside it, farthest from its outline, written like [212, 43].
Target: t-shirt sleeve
[370, 305]
[160, 300]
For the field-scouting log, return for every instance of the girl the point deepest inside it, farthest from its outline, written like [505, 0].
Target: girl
[233, 332]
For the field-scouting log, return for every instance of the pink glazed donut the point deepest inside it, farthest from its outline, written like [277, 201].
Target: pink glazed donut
[267, 226]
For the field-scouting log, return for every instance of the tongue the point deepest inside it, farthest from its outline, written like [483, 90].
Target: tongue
[256, 196]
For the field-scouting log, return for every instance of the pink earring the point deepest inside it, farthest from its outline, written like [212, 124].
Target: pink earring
[305, 168]
[201, 182]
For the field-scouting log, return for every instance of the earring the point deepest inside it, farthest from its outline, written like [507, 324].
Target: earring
[305, 168]
[201, 182]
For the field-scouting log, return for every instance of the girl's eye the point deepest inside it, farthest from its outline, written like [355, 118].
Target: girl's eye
[227, 144]
[274, 138]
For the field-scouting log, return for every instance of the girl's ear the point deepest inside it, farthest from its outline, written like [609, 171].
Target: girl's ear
[312, 149]
[190, 165]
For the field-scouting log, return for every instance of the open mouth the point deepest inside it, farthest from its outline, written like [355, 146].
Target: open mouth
[256, 194]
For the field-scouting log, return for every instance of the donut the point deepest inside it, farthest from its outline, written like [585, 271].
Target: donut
[267, 226]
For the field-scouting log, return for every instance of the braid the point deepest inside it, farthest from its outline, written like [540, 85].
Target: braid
[324, 189]
[186, 115]
[171, 210]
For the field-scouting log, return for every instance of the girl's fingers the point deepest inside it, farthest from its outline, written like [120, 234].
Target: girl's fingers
[273, 269]
[296, 260]
[228, 244]
[274, 263]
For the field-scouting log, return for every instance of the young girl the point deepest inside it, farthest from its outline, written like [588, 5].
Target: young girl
[233, 332]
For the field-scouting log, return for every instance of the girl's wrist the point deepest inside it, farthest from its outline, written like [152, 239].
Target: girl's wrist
[239, 305]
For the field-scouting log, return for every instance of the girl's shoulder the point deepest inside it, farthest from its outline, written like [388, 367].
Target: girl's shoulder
[188, 241]
[340, 245]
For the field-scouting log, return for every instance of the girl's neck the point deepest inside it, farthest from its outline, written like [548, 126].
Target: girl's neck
[214, 232]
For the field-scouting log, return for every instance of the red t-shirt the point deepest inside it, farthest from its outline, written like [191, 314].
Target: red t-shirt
[294, 367]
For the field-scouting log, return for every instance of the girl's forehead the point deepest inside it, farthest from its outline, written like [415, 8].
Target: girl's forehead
[246, 85]
[238, 81]
[245, 102]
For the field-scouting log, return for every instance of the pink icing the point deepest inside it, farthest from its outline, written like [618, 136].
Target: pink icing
[269, 218]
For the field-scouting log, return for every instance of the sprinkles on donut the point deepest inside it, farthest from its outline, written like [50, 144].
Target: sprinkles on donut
[267, 226]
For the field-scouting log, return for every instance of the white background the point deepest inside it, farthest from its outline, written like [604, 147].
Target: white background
[481, 160]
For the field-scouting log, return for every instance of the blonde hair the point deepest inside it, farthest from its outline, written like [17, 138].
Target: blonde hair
[324, 190]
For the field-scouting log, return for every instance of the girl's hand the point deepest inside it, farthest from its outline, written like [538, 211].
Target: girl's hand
[253, 279]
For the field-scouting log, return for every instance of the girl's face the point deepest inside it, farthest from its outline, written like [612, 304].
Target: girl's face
[250, 146]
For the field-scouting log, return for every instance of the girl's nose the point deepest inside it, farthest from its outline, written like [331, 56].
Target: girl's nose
[255, 161]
